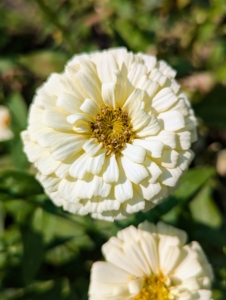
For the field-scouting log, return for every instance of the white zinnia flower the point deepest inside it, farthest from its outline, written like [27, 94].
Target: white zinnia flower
[111, 135]
[151, 263]
[5, 132]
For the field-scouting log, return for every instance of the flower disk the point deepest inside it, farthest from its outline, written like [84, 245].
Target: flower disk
[151, 263]
[111, 135]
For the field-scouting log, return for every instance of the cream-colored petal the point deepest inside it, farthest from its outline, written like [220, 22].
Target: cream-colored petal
[137, 94]
[106, 67]
[170, 177]
[95, 163]
[152, 128]
[73, 119]
[123, 188]
[56, 120]
[149, 247]
[184, 159]
[78, 168]
[172, 120]
[135, 172]
[120, 259]
[111, 170]
[109, 273]
[108, 94]
[67, 147]
[149, 190]
[91, 147]
[169, 159]
[137, 70]
[155, 148]
[101, 188]
[90, 108]
[169, 259]
[164, 99]
[68, 103]
[154, 170]
[134, 252]
[135, 153]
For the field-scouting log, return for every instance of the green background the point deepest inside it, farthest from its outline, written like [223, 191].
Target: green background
[46, 253]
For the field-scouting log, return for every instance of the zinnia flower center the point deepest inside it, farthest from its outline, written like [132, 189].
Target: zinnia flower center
[154, 288]
[113, 129]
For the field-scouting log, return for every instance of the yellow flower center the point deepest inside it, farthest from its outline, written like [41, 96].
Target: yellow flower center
[154, 288]
[113, 129]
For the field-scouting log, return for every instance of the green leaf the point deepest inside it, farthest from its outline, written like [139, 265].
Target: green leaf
[19, 184]
[204, 209]
[212, 109]
[18, 110]
[43, 63]
[33, 254]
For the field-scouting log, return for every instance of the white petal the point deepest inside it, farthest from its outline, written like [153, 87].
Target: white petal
[151, 128]
[73, 119]
[92, 147]
[120, 259]
[137, 94]
[168, 138]
[204, 294]
[90, 108]
[170, 235]
[149, 247]
[135, 172]
[169, 259]
[154, 170]
[95, 163]
[155, 148]
[78, 168]
[85, 187]
[135, 253]
[172, 120]
[109, 273]
[67, 147]
[185, 158]
[139, 118]
[108, 94]
[135, 153]
[111, 171]
[68, 103]
[50, 183]
[149, 190]
[67, 189]
[56, 120]
[147, 85]
[123, 188]
[164, 99]
[135, 285]
[137, 203]
[169, 159]
[100, 187]
[126, 234]
[89, 83]
[183, 140]
[137, 70]
[106, 67]
[170, 177]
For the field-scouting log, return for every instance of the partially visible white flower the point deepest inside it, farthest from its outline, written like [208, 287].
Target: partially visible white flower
[151, 263]
[5, 132]
[111, 135]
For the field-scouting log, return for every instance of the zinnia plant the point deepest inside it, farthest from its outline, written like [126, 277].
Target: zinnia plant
[111, 135]
[151, 263]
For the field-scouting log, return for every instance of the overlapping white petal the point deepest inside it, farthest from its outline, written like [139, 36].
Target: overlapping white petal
[60, 142]
[151, 250]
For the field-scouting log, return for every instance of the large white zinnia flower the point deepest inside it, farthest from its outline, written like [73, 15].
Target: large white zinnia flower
[111, 135]
[5, 131]
[151, 263]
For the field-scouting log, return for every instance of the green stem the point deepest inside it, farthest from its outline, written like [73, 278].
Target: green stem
[52, 17]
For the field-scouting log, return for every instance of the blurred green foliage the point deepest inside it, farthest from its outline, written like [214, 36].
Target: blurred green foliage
[46, 253]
